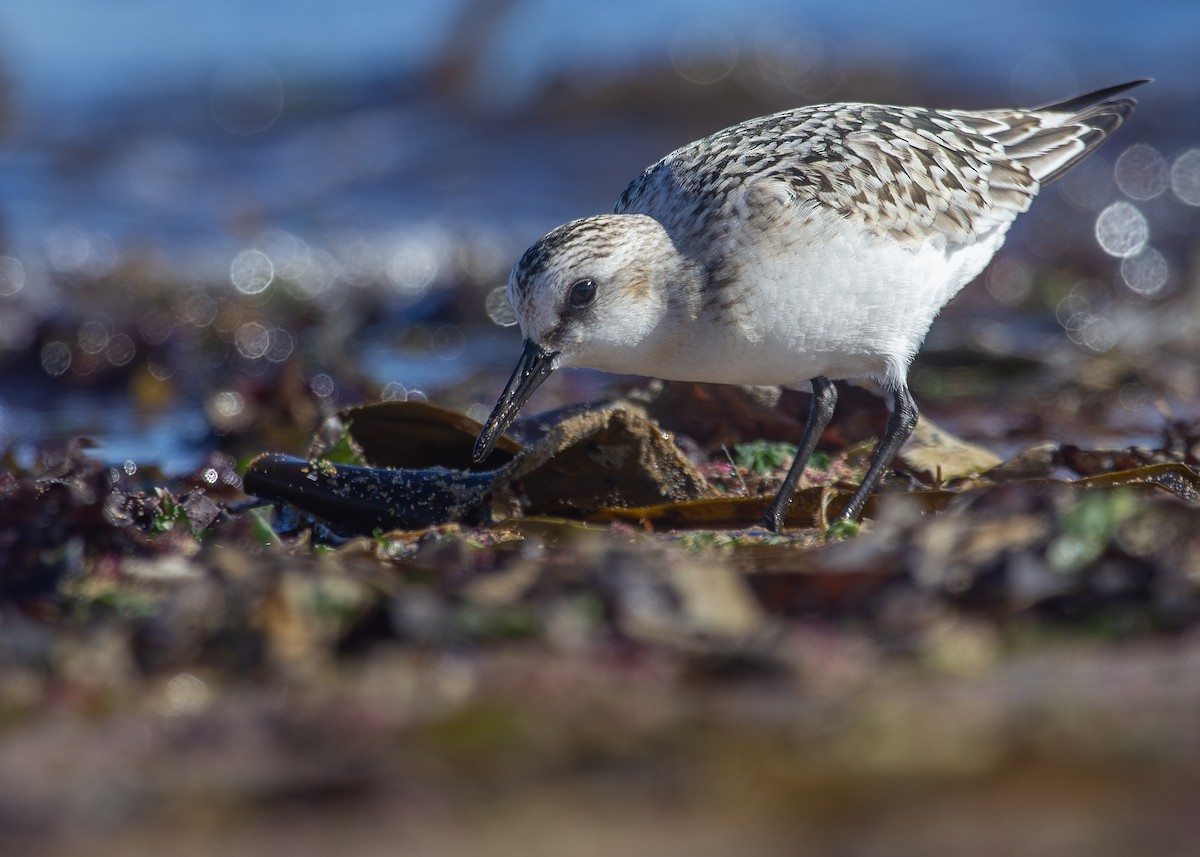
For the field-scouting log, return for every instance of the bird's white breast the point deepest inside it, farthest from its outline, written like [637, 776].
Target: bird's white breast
[822, 297]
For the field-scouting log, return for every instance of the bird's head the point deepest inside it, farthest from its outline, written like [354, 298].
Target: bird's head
[593, 292]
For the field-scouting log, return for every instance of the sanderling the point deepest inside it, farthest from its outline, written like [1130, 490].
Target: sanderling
[809, 245]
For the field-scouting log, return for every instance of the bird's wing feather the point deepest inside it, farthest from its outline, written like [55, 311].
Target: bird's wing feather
[908, 173]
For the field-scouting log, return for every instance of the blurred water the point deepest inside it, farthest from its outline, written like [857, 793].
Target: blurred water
[174, 439]
[77, 53]
[145, 120]
[303, 150]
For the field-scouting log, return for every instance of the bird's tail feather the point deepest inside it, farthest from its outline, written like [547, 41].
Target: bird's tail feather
[1059, 135]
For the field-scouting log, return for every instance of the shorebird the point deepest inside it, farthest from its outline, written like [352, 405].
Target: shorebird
[810, 245]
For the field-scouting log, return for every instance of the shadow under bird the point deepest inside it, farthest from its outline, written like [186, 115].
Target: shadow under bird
[814, 244]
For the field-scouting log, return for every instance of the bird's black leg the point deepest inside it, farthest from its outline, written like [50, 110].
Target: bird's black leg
[899, 426]
[820, 411]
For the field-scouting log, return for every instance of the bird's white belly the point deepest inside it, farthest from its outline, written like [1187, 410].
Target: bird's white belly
[843, 307]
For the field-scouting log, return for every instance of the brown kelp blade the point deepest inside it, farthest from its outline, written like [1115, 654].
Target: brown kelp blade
[406, 436]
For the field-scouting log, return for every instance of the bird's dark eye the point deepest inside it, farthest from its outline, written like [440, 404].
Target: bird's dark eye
[582, 294]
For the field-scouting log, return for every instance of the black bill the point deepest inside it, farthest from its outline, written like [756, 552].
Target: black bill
[533, 368]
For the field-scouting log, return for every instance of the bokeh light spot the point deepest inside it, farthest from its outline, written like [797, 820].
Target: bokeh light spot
[793, 61]
[323, 385]
[186, 694]
[283, 343]
[1098, 334]
[499, 308]
[56, 358]
[483, 258]
[92, 336]
[1075, 303]
[1185, 177]
[1121, 229]
[251, 272]
[1133, 396]
[449, 342]
[704, 52]
[12, 276]
[1141, 172]
[413, 265]
[197, 309]
[229, 403]
[68, 248]
[479, 412]
[318, 274]
[120, 349]
[1146, 272]
[360, 260]
[289, 254]
[252, 340]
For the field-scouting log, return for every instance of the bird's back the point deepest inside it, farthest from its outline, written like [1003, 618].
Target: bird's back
[911, 174]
